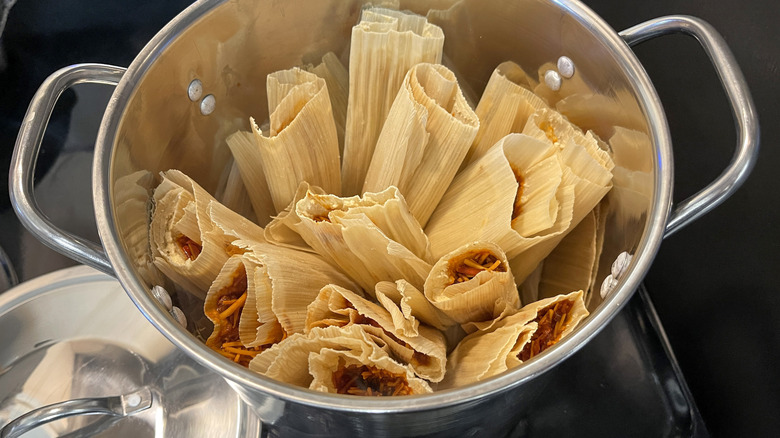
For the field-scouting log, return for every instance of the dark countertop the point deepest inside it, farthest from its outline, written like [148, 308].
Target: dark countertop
[714, 283]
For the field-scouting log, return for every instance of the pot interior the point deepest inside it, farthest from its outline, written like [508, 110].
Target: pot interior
[231, 46]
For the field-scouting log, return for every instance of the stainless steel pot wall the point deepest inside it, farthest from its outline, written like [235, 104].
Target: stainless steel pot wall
[153, 123]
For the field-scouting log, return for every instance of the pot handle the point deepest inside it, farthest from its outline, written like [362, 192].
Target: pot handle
[25, 155]
[742, 108]
[117, 406]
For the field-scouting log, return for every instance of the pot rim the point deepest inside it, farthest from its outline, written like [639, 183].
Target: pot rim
[246, 379]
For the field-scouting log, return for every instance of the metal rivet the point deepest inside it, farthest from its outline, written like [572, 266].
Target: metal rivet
[207, 104]
[565, 67]
[607, 286]
[195, 90]
[133, 400]
[621, 264]
[161, 295]
[178, 315]
[553, 80]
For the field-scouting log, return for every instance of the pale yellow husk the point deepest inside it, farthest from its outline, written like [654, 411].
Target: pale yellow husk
[287, 281]
[337, 79]
[385, 44]
[504, 107]
[280, 231]
[480, 202]
[309, 360]
[372, 238]
[411, 307]
[302, 143]
[233, 194]
[484, 354]
[243, 146]
[425, 352]
[182, 207]
[478, 298]
[426, 135]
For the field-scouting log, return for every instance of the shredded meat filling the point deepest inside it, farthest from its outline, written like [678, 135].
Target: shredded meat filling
[189, 247]
[369, 380]
[552, 321]
[469, 266]
[228, 314]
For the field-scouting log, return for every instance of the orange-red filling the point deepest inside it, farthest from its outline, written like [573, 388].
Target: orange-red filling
[369, 380]
[551, 320]
[467, 267]
[189, 247]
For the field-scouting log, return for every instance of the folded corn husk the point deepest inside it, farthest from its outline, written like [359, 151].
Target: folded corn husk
[504, 107]
[483, 203]
[186, 219]
[385, 45]
[408, 307]
[426, 135]
[337, 79]
[372, 238]
[286, 282]
[237, 333]
[244, 149]
[484, 354]
[280, 231]
[587, 167]
[310, 360]
[425, 352]
[232, 193]
[478, 295]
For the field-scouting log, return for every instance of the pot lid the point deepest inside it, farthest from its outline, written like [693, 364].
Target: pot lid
[75, 334]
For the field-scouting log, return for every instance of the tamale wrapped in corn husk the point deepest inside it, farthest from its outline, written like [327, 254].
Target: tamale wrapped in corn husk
[426, 135]
[425, 352]
[410, 307]
[371, 238]
[231, 304]
[513, 196]
[328, 359]
[233, 195]
[244, 149]
[504, 107]
[514, 339]
[286, 282]
[337, 79]
[188, 245]
[472, 283]
[385, 44]
[280, 231]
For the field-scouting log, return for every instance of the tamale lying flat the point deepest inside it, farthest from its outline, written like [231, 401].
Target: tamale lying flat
[425, 137]
[385, 44]
[344, 360]
[514, 339]
[425, 352]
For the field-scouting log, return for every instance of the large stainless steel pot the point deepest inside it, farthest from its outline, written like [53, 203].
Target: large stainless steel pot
[153, 124]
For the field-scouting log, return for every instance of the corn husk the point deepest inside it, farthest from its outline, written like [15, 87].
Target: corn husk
[408, 307]
[337, 79]
[302, 143]
[480, 203]
[244, 149]
[426, 135]
[479, 298]
[287, 281]
[385, 44]
[504, 107]
[372, 238]
[183, 209]
[309, 360]
[233, 195]
[484, 354]
[425, 352]
[280, 231]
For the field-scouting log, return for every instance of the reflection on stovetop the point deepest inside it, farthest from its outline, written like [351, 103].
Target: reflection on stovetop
[625, 382]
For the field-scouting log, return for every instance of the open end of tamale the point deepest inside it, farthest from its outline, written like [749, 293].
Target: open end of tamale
[466, 267]
[552, 321]
[189, 247]
[368, 380]
[549, 131]
[227, 315]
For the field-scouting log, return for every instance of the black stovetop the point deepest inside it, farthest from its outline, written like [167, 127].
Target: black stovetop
[714, 283]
